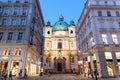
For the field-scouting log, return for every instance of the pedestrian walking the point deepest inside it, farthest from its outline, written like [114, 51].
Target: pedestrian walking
[20, 73]
[10, 75]
[92, 73]
[95, 74]
[25, 74]
[5, 75]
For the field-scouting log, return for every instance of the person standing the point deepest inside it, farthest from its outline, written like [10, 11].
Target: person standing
[10, 75]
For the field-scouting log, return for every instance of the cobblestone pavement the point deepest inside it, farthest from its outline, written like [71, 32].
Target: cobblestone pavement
[64, 77]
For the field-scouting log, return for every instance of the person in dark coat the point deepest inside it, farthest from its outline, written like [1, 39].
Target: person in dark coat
[10, 75]
[25, 74]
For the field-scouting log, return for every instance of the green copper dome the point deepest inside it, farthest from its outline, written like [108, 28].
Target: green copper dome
[60, 25]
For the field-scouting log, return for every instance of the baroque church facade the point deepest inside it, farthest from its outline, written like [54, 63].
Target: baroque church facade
[60, 50]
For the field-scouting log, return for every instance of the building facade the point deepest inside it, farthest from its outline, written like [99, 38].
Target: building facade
[60, 52]
[21, 36]
[98, 37]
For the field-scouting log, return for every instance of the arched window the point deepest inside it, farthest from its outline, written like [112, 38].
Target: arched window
[48, 32]
[71, 31]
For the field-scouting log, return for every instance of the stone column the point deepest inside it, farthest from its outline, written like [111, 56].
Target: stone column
[115, 65]
[91, 62]
[102, 64]
[24, 59]
[9, 65]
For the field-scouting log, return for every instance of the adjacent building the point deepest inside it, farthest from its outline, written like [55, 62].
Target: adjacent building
[21, 36]
[60, 52]
[98, 37]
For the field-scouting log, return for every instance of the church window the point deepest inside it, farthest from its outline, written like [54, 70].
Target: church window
[71, 31]
[59, 45]
[48, 32]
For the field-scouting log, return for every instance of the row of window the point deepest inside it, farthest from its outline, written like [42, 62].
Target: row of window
[18, 1]
[8, 52]
[10, 36]
[14, 21]
[109, 13]
[16, 11]
[111, 24]
[106, 3]
[105, 39]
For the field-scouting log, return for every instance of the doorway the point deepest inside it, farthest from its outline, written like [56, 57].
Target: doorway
[4, 65]
[110, 68]
[59, 66]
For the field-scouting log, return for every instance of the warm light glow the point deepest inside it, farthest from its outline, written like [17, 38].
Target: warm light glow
[80, 62]
[4, 57]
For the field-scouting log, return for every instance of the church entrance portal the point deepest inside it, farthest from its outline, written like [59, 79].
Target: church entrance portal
[59, 66]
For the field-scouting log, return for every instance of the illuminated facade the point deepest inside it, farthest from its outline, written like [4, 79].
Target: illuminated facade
[21, 36]
[98, 36]
[60, 52]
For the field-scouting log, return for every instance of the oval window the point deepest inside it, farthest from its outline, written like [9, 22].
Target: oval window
[71, 31]
[48, 32]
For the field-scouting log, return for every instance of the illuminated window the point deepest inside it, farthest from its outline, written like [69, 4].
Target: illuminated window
[104, 39]
[17, 52]
[92, 41]
[114, 37]
[7, 52]
[108, 55]
[117, 55]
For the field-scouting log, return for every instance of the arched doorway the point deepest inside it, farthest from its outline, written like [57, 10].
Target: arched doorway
[59, 66]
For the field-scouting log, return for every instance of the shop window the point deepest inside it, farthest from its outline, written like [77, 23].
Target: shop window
[108, 55]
